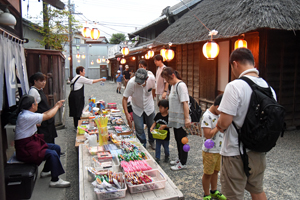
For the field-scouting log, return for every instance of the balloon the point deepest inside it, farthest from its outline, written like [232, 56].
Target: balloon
[184, 140]
[209, 143]
[186, 147]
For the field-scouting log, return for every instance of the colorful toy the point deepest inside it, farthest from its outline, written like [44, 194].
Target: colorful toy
[209, 143]
[186, 147]
[184, 140]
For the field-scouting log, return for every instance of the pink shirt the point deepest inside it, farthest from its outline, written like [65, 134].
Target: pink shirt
[159, 81]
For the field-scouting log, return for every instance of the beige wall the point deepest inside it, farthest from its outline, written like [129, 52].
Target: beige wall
[223, 65]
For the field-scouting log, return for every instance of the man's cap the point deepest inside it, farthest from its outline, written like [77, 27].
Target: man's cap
[141, 75]
[118, 71]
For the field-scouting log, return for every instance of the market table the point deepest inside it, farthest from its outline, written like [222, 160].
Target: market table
[86, 190]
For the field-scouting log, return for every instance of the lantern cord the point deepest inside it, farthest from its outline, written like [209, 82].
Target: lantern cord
[195, 16]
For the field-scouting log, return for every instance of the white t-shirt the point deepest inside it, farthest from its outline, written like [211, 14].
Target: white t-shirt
[159, 81]
[80, 82]
[235, 102]
[209, 120]
[176, 99]
[141, 97]
[26, 124]
[35, 93]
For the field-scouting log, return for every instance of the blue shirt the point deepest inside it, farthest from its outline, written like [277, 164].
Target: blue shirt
[26, 124]
[119, 79]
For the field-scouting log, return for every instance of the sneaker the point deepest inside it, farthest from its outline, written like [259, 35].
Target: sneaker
[119, 92]
[60, 184]
[179, 166]
[174, 162]
[207, 197]
[45, 174]
[152, 145]
[218, 195]
[157, 160]
[167, 159]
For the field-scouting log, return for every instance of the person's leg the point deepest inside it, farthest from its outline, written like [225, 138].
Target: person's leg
[53, 164]
[149, 121]
[182, 154]
[206, 179]
[177, 141]
[157, 149]
[139, 128]
[75, 120]
[214, 180]
[166, 147]
[260, 196]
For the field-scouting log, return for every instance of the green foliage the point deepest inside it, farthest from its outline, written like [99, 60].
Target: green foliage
[55, 33]
[116, 38]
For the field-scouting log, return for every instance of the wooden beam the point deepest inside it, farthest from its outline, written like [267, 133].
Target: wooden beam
[56, 3]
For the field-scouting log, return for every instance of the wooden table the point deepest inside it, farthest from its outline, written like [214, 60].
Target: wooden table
[86, 190]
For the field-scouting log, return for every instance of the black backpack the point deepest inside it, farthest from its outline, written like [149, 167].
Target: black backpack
[195, 110]
[263, 124]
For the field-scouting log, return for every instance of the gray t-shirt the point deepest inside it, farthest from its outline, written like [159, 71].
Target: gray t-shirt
[26, 124]
[176, 99]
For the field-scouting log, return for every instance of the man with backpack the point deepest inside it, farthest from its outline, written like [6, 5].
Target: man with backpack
[242, 168]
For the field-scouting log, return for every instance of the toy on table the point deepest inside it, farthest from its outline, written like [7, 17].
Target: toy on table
[209, 143]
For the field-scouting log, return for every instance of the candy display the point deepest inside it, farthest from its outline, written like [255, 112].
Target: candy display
[135, 166]
[136, 178]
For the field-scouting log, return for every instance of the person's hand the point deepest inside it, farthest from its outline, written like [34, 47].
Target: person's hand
[164, 95]
[154, 95]
[129, 119]
[161, 127]
[187, 123]
[151, 129]
[103, 79]
[60, 103]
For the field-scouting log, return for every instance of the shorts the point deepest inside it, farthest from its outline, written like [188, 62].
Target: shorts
[211, 162]
[119, 84]
[234, 180]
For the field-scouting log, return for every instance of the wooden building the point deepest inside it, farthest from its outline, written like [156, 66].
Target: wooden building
[272, 31]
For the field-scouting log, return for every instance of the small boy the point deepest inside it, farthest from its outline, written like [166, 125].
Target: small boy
[211, 157]
[161, 122]
[119, 81]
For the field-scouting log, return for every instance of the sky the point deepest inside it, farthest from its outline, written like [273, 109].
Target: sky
[109, 16]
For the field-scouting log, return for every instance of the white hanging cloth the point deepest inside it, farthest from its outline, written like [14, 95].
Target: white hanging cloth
[1, 71]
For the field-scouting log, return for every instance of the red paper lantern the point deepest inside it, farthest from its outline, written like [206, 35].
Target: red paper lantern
[118, 59]
[210, 50]
[95, 34]
[240, 43]
[86, 32]
[98, 60]
[78, 55]
[125, 51]
[150, 53]
[163, 52]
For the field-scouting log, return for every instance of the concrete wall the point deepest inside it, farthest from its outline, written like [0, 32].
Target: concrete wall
[32, 36]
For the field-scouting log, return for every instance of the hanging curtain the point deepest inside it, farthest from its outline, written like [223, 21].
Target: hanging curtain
[24, 69]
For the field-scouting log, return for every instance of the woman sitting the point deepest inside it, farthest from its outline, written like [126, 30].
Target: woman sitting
[31, 147]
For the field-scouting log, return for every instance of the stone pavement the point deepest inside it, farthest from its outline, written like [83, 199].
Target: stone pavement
[281, 176]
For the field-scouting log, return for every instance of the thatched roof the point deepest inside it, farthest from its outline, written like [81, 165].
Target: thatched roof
[232, 18]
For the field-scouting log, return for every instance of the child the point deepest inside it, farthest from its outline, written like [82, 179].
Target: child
[211, 157]
[119, 81]
[160, 122]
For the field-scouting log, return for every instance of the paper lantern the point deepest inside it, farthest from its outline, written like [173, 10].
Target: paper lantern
[78, 61]
[103, 59]
[240, 43]
[210, 50]
[69, 58]
[133, 58]
[83, 56]
[98, 60]
[147, 56]
[125, 51]
[107, 61]
[78, 55]
[86, 32]
[186, 147]
[184, 140]
[95, 34]
[169, 54]
[150, 53]
[92, 62]
[118, 59]
[162, 52]
[123, 61]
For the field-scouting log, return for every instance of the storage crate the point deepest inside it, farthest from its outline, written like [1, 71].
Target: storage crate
[121, 193]
[161, 135]
[159, 182]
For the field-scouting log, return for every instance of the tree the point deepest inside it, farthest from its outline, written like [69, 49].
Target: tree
[116, 38]
[54, 31]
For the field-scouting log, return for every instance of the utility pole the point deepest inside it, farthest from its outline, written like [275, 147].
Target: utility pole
[70, 42]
